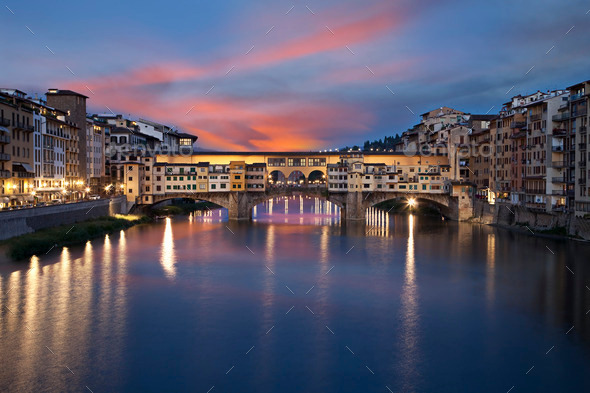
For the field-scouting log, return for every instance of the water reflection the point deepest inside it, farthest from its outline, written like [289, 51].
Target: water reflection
[425, 302]
[409, 340]
[167, 255]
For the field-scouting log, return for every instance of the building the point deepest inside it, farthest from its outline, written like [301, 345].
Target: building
[256, 176]
[17, 150]
[573, 118]
[237, 175]
[74, 105]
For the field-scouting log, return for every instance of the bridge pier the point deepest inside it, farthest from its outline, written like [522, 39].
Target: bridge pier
[239, 206]
[354, 209]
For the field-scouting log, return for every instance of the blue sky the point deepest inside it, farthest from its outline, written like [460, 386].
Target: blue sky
[279, 75]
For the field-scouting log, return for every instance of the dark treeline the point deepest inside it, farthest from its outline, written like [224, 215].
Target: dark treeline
[387, 143]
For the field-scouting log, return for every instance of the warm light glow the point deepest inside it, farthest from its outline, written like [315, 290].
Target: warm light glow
[87, 189]
[412, 202]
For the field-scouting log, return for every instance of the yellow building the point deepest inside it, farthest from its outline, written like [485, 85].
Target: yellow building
[237, 175]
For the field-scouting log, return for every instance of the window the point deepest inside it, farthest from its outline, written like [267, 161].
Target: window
[202, 186]
[131, 190]
[276, 162]
[223, 185]
[158, 188]
[130, 178]
[316, 162]
[213, 186]
[296, 161]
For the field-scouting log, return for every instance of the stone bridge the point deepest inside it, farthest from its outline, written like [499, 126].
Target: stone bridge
[353, 204]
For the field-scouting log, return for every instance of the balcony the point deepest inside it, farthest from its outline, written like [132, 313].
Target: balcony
[580, 112]
[558, 192]
[4, 157]
[557, 132]
[23, 175]
[22, 126]
[558, 164]
[518, 124]
[557, 148]
[575, 97]
[582, 164]
[558, 180]
[582, 181]
[582, 146]
[4, 122]
[4, 174]
[583, 129]
[4, 138]
[561, 116]
[535, 117]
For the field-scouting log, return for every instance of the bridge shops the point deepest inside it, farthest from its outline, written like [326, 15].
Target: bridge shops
[237, 180]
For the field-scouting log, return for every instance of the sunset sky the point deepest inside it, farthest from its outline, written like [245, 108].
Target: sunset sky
[280, 75]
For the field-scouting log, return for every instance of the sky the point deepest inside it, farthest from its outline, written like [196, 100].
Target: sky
[282, 75]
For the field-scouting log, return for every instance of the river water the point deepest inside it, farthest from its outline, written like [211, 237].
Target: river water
[294, 302]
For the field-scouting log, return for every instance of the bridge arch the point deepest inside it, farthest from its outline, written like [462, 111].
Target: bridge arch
[445, 203]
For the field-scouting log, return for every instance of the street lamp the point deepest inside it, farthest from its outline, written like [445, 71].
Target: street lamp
[412, 203]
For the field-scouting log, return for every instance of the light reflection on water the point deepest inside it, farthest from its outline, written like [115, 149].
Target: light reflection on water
[426, 305]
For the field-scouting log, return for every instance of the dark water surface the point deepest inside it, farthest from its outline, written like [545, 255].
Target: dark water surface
[296, 303]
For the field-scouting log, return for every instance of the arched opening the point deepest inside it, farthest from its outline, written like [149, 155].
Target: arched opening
[317, 179]
[296, 179]
[276, 179]
[183, 205]
[412, 204]
[297, 207]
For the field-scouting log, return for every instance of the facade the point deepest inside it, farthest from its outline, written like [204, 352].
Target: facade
[74, 105]
[576, 147]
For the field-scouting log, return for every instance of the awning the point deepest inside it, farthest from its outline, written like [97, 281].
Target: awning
[29, 198]
[27, 167]
[4, 129]
[4, 200]
[21, 167]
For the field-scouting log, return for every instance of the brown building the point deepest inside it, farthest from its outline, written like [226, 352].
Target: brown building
[74, 104]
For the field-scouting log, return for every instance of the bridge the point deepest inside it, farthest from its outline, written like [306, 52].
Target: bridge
[353, 205]
[354, 181]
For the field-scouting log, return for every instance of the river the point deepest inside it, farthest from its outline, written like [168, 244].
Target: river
[295, 302]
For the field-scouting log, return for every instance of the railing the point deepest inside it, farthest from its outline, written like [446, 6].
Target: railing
[536, 117]
[23, 126]
[557, 148]
[559, 132]
[583, 129]
[561, 116]
[22, 175]
[4, 122]
[558, 192]
[4, 174]
[4, 138]
[580, 112]
[582, 146]
[518, 124]
[558, 180]
[582, 180]
[558, 164]
[574, 97]
[4, 157]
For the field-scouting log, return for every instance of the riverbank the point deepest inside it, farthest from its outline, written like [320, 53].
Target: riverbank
[535, 222]
[40, 242]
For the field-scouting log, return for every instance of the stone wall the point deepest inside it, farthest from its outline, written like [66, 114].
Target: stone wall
[504, 214]
[18, 222]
